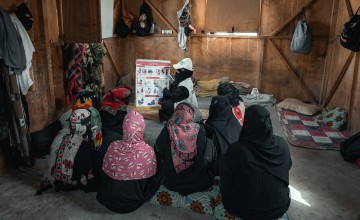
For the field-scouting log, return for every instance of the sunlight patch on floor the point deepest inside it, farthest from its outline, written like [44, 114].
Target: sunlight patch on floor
[296, 195]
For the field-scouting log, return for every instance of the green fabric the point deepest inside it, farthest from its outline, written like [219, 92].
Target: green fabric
[91, 66]
[336, 118]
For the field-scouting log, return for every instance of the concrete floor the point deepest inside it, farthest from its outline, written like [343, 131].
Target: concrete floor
[323, 186]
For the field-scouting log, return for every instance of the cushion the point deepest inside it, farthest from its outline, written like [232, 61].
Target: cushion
[298, 106]
[336, 118]
[206, 88]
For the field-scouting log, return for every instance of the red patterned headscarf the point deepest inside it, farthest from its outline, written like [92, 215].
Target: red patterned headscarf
[130, 158]
[115, 100]
[183, 134]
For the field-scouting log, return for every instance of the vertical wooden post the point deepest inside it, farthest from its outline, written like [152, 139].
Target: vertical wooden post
[349, 9]
[46, 30]
[353, 90]
[330, 50]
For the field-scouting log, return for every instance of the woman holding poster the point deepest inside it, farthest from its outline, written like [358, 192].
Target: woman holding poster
[181, 90]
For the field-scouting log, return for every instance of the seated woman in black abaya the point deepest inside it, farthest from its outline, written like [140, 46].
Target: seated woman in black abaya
[232, 93]
[222, 126]
[254, 172]
[185, 155]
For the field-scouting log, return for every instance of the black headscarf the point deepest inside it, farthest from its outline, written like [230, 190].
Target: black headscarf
[258, 149]
[223, 122]
[231, 92]
[181, 75]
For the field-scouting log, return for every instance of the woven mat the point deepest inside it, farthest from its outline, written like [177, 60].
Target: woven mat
[305, 131]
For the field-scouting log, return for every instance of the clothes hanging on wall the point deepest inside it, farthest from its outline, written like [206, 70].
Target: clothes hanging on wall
[91, 67]
[184, 19]
[11, 47]
[73, 55]
[24, 79]
[16, 116]
[16, 51]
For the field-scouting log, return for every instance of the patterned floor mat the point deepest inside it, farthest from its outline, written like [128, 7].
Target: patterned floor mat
[305, 131]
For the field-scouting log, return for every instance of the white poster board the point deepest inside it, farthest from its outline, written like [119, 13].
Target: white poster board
[107, 18]
[147, 72]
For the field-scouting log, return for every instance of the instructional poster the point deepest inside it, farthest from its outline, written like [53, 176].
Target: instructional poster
[147, 73]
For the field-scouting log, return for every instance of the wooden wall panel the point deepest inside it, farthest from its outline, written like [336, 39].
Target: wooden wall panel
[9, 5]
[242, 15]
[198, 14]
[81, 21]
[117, 54]
[274, 13]
[241, 59]
[233, 57]
[335, 63]
[277, 79]
[158, 48]
[40, 103]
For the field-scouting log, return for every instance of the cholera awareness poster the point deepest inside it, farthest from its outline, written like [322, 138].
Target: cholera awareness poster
[148, 73]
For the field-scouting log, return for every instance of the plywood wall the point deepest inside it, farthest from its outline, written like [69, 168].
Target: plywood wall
[264, 61]
[347, 93]
[250, 60]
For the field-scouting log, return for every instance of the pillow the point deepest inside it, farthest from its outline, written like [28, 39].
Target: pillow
[298, 106]
[336, 118]
[206, 88]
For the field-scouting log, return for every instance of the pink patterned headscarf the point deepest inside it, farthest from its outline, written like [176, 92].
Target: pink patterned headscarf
[130, 158]
[183, 136]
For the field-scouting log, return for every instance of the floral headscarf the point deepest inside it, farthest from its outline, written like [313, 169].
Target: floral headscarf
[183, 136]
[130, 158]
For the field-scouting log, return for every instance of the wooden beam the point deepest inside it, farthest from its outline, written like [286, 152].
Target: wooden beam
[111, 60]
[353, 90]
[330, 49]
[260, 86]
[161, 16]
[339, 79]
[349, 9]
[292, 72]
[296, 13]
[46, 30]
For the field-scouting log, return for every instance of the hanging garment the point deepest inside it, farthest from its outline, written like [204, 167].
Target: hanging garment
[20, 136]
[184, 20]
[91, 66]
[24, 79]
[73, 55]
[11, 47]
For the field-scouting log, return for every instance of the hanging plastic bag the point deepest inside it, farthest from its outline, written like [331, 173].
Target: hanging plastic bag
[301, 41]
